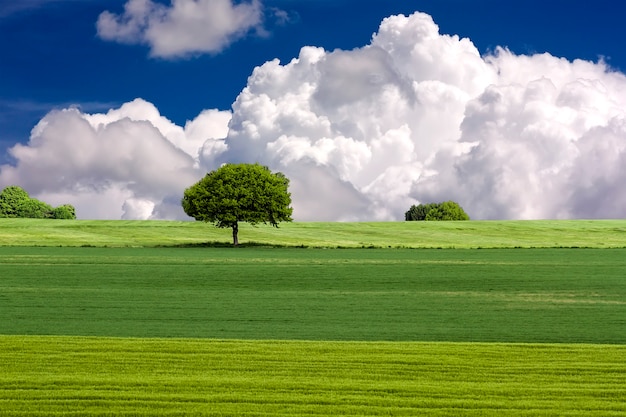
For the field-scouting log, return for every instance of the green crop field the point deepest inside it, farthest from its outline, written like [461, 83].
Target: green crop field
[44, 376]
[496, 295]
[143, 322]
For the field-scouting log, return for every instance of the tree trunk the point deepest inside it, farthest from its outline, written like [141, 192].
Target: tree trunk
[235, 231]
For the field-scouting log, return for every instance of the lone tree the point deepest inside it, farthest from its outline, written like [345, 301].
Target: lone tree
[448, 210]
[239, 193]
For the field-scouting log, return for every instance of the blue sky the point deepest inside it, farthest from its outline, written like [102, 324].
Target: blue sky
[53, 58]
[434, 140]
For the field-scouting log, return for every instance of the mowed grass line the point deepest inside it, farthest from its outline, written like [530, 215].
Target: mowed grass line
[468, 234]
[487, 295]
[46, 376]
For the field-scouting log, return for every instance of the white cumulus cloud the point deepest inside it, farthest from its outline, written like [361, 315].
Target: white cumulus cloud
[419, 116]
[413, 117]
[183, 28]
[129, 163]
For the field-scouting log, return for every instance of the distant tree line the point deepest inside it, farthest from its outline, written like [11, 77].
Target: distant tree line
[448, 210]
[15, 202]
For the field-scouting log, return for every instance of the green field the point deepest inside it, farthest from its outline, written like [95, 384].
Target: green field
[468, 234]
[496, 295]
[44, 376]
[143, 322]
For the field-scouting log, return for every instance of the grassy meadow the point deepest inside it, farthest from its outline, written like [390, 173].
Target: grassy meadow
[164, 318]
[469, 234]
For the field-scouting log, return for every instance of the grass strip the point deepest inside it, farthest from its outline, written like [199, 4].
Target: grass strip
[47, 376]
[468, 234]
[490, 295]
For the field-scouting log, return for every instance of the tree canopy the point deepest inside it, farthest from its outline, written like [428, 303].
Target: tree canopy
[15, 202]
[239, 193]
[448, 210]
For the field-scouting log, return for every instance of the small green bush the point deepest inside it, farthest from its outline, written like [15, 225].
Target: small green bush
[66, 211]
[15, 202]
[448, 210]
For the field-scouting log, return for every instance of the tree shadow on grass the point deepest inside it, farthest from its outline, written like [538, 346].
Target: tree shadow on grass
[215, 244]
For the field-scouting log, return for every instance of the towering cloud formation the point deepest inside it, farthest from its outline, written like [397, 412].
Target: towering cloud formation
[415, 116]
[186, 27]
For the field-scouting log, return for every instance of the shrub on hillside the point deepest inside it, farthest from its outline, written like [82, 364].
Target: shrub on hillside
[11, 198]
[15, 202]
[448, 210]
[66, 211]
[34, 209]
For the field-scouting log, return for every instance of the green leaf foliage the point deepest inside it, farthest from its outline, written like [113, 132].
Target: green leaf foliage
[419, 212]
[239, 193]
[448, 210]
[34, 209]
[66, 211]
[15, 202]
[11, 198]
